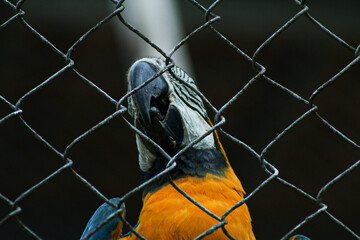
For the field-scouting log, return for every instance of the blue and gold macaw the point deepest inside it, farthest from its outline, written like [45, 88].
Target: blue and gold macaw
[173, 115]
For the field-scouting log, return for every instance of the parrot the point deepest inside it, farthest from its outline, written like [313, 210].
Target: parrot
[170, 112]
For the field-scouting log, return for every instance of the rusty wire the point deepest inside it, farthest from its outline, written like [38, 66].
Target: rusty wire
[260, 73]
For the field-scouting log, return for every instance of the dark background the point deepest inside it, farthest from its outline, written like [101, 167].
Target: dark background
[301, 59]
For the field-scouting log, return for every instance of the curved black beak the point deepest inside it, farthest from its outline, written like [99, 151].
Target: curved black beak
[157, 89]
[157, 118]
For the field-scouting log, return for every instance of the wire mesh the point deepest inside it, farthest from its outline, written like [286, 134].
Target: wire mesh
[28, 184]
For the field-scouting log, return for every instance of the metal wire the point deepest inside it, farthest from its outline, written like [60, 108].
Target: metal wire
[260, 74]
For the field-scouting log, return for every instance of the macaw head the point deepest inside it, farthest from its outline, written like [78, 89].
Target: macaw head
[170, 113]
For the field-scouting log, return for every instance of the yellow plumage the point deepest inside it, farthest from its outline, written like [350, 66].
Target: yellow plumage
[167, 214]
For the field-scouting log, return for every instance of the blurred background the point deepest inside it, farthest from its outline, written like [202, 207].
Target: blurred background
[301, 59]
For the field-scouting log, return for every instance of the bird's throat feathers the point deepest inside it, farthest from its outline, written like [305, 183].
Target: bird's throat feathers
[193, 162]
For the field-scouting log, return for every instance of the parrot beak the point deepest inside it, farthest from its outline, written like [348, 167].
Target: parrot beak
[155, 117]
[151, 99]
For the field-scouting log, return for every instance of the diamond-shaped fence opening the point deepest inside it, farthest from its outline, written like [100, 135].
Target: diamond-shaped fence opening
[284, 74]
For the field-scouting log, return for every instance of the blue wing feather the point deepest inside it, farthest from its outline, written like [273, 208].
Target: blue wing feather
[100, 215]
[299, 237]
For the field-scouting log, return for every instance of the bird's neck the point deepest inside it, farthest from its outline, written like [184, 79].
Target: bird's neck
[194, 162]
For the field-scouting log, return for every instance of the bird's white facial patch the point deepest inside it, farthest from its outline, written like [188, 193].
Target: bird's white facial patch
[146, 158]
[194, 124]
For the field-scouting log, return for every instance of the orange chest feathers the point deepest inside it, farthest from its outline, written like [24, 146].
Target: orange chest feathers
[167, 214]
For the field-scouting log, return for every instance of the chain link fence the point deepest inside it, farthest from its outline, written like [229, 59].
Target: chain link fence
[291, 113]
